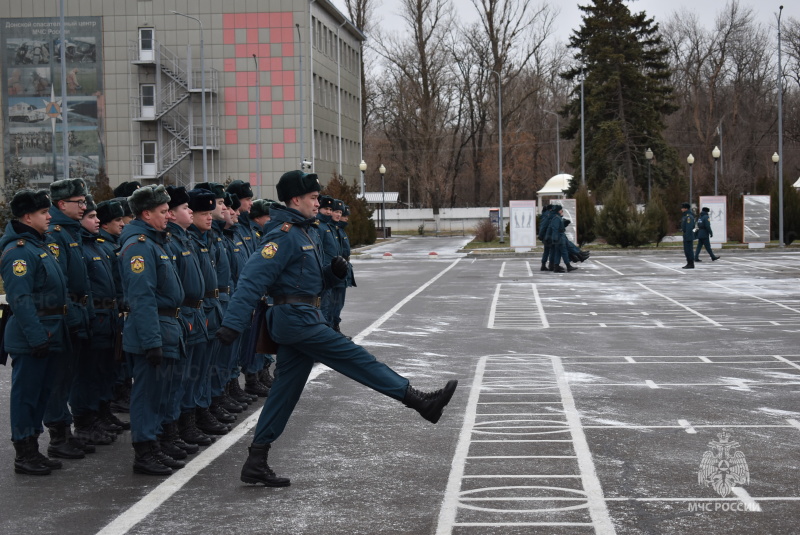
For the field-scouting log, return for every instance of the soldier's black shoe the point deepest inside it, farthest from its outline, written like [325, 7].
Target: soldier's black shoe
[559, 269]
[550, 267]
[53, 464]
[574, 257]
[167, 460]
[230, 404]
[570, 268]
[713, 258]
[208, 424]
[544, 268]
[265, 376]
[430, 405]
[145, 461]
[89, 430]
[122, 398]
[188, 431]
[61, 442]
[584, 255]
[171, 434]
[220, 413]
[237, 394]
[256, 470]
[166, 445]
[26, 461]
[107, 416]
[253, 386]
[697, 260]
[688, 266]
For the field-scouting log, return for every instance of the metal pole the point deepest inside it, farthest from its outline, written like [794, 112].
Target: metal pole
[583, 153]
[716, 162]
[302, 136]
[500, 149]
[258, 128]
[558, 142]
[690, 185]
[64, 104]
[780, 134]
[362, 184]
[339, 89]
[648, 180]
[202, 95]
[383, 205]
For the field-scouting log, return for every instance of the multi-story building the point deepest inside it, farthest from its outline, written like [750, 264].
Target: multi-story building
[181, 92]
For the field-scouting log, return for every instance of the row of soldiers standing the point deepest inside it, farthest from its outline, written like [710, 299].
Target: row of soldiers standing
[146, 277]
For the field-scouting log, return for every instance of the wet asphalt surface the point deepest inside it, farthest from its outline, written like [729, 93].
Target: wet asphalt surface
[587, 402]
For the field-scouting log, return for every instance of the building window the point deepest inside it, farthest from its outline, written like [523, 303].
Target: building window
[146, 44]
[149, 158]
[147, 93]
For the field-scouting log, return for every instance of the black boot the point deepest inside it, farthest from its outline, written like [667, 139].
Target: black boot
[145, 462]
[171, 434]
[122, 398]
[166, 460]
[167, 446]
[235, 391]
[107, 416]
[208, 424]
[25, 462]
[559, 269]
[188, 431]
[256, 470]
[430, 404]
[713, 258]
[219, 411]
[688, 266]
[584, 255]
[60, 444]
[89, 430]
[544, 267]
[266, 377]
[253, 386]
[52, 464]
[230, 404]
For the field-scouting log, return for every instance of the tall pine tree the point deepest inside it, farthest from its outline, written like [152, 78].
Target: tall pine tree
[627, 94]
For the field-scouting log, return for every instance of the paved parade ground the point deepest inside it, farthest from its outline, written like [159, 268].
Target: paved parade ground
[629, 397]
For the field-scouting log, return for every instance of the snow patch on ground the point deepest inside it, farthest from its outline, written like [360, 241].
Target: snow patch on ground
[577, 377]
[778, 412]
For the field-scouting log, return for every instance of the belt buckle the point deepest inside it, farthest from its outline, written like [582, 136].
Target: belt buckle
[84, 300]
[216, 293]
[177, 312]
[317, 301]
[65, 310]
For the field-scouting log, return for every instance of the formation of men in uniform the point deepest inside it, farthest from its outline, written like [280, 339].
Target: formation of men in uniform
[145, 303]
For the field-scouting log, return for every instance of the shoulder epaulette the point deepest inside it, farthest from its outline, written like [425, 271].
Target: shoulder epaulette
[142, 237]
[57, 228]
[20, 242]
[101, 240]
[286, 227]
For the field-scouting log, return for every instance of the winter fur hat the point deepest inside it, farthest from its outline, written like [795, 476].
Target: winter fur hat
[296, 184]
[177, 196]
[69, 187]
[706, 209]
[202, 200]
[126, 189]
[91, 206]
[338, 205]
[556, 207]
[147, 198]
[108, 211]
[325, 201]
[126, 208]
[217, 189]
[232, 201]
[346, 211]
[686, 205]
[240, 188]
[260, 208]
[27, 201]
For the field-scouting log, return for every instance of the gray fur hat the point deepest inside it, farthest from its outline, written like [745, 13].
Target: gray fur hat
[69, 187]
[91, 206]
[147, 198]
[260, 208]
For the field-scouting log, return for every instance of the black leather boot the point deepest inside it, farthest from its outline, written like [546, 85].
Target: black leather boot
[544, 268]
[89, 430]
[188, 431]
[107, 416]
[257, 471]
[52, 464]
[219, 412]
[166, 446]
[571, 268]
[265, 376]
[235, 391]
[25, 462]
[253, 386]
[208, 424]
[171, 434]
[559, 269]
[60, 444]
[430, 404]
[145, 462]
[163, 458]
[122, 397]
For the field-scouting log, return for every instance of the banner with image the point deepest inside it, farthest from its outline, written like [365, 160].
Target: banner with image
[31, 96]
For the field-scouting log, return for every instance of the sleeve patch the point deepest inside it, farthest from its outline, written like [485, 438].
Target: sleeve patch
[20, 268]
[286, 227]
[54, 249]
[269, 250]
[137, 264]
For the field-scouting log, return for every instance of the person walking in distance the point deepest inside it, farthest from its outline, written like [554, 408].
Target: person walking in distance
[704, 233]
[687, 228]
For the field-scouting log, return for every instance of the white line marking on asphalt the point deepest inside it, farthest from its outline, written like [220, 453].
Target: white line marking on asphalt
[591, 484]
[630, 359]
[756, 297]
[609, 267]
[686, 425]
[774, 323]
[793, 422]
[502, 270]
[682, 272]
[153, 500]
[493, 308]
[530, 272]
[602, 325]
[751, 506]
[539, 305]
[706, 360]
[787, 361]
[712, 322]
[651, 384]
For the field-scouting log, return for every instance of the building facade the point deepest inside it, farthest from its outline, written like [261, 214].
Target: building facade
[276, 80]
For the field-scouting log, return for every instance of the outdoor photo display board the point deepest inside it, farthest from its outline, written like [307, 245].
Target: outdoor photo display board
[756, 219]
[523, 224]
[31, 96]
[717, 216]
[571, 213]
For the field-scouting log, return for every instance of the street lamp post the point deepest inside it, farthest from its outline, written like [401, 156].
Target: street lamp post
[363, 167]
[716, 154]
[382, 171]
[780, 134]
[583, 145]
[500, 149]
[690, 161]
[648, 154]
[775, 160]
[202, 95]
[558, 143]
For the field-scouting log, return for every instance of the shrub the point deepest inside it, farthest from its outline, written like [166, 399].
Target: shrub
[360, 228]
[486, 231]
[656, 219]
[619, 222]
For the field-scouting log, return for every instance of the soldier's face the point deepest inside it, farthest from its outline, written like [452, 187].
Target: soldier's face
[246, 204]
[73, 207]
[219, 209]
[308, 204]
[115, 226]
[182, 215]
[90, 222]
[337, 215]
[38, 220]
[326, 211]
[202, 220]
[157, 217]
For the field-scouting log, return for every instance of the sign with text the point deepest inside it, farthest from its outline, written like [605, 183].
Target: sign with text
[523, 224]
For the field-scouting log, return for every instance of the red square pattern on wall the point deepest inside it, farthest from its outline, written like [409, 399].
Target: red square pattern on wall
[281, 30]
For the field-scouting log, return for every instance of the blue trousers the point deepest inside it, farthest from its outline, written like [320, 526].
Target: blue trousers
[323, 344]
[202, 388]
[338, 294]
[220, 368]
[546, 253]
[31, 383]
[703, 242]
[326, 305]
[149, 396]
[558, 250]
[93, 379]
[63, 372]
[191, 383]
[688, 251]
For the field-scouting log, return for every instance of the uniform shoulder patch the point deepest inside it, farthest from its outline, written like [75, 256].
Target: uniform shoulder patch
[142, 237]
[20, 268]
[54, 248]
[100, 240]
[286, 227]
[137, 264]
[20, 242]
[57, 228]
[269, 250]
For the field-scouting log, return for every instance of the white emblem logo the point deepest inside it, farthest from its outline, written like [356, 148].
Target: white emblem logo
[723, 467]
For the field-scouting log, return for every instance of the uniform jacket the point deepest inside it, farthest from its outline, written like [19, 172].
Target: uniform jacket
[704, 227]
[33, 281]
[64, 241]
[330, 246]
[219, 250]
[187, 262]
[344, 243]
[544, 223]
[238, 251]
[100, 266]
[111, 244]
[687, 225]
[555, 228]
[245, 231]
[150, 282]
[202, 243]
[288, 264]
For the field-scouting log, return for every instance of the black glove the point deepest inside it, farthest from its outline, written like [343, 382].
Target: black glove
[154, 356]
[339, 267]
[226, 335]
[41, 351]
[567, 222]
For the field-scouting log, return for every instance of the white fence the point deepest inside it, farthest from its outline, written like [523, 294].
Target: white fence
[449, 219]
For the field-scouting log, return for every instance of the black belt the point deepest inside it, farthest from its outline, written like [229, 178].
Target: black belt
[79, 299]
[224, 289]
[291, 299]
[169, 312]
[192, 303]
[105, 304]
[52, 311]
[211, 294]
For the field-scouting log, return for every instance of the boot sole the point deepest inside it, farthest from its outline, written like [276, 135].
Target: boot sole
[256, 481]
[32, 473]
[150, 472]
[447, 394]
